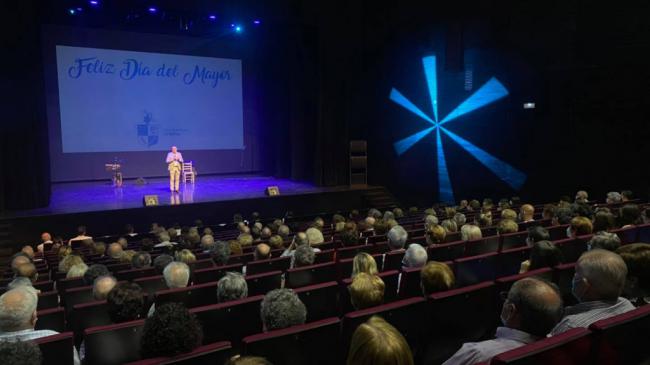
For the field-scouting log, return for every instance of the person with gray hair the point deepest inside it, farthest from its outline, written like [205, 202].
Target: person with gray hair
[604, 240]
[20, 353]
[460, 219]
[397, 237]
[220, 252]
[160, 262]
[415, 256]
[141, 260]
[614, 197]
[165, 240]
[597, 284]
[176, 274]
[231, 287]
[18, 318]
[207, 241]
[469, 232]
[531, 309]
[314, 236]
[102, 286]
[375, 213]
[281, 308]
[77, 271]
[303, 256]
[429, 221]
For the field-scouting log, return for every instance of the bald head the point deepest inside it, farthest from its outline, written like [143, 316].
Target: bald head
[103, 285]
[19, 259]
[176, 274]
[533, 306]
[27, 271]
[18, 309]
[600, 275]
[115, 250]
[262, 251]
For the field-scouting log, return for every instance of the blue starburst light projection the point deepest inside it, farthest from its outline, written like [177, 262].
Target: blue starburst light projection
[490, 92]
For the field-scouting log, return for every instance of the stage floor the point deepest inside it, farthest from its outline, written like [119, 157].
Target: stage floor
[98, 195]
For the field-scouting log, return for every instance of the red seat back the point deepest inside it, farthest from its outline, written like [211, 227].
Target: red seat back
[214, 273]
[57, 349]
[476, 269]
[572, 347]
[321, 300]
[261, 284]
[309, 275]
[622, 339]
[192, 296]
[262, 266]
[214, 353]
[446, 251]
[51, 319]
[113, 344]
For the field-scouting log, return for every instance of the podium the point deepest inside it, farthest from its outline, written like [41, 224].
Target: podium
[116, 170]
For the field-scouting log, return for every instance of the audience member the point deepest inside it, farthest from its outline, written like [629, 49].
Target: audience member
[231, 286]
[281, 308]
[314, 236]
[366, 291]
[247, 360]
[262, 252]
[207, 241]
[435, 234]
[284, 231]
[604, 240]
[69, 261]
[597, 285]
[160, 262]
[99, 248]
[185, 256]
[542, 254]
[164, 240]
[102, 286]
[171, 330]
[529, 312]
[627, 195]
[397, 237]
[507, 226]
[548, 212]
[527, 213]
[245, 239]
[364, 262]
[579, 226]
[630, 216]
[77, 271]
[603, 221]
[563, 215]
[93, 272]
[449, 225]
[276, 242]
[125, 302]
[46, 242]
[582, 197]
[141, 260]
[127, 257]
[376, 342]
[221, 253]
[436, 277]
[613, 197]
[415, 256]
[20, 353]
[470, 232]
[303, 256]
[509, 214]
[81, 235]
[637, 282]
[24, 275]
[536, 234]
[18, 317]
[115, 251]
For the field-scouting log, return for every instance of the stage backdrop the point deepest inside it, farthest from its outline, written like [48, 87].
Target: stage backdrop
[127, 98]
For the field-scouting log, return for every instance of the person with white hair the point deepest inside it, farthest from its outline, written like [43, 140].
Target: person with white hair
[176, 275]
[314, 236]
[614, 197]
[102, 286]
[207, 241]
[397, 237]
[598, 282]
[165, 240]
[470, 232]
[77, 271]
[18, 318]
[429, 221]
[460, 219]
[415, 256]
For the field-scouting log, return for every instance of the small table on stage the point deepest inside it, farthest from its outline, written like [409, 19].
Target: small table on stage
[115, 168]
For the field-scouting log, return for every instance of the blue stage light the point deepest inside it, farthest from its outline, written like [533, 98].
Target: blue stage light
[72, 11]
[152, 9]
[257, 22]
[94, 2]
[400, 99]
[406, 143]
[492, 91]
[238, 29]
[430, 73]
[212, 17]
[504, 171]
[445, 191]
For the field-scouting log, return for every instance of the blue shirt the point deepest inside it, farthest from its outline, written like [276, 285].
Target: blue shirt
[583, 314]
[506, 340]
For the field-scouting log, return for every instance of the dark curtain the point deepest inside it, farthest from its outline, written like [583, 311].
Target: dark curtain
[24, 181]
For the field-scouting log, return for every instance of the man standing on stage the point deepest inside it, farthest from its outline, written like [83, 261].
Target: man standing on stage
[174, 161]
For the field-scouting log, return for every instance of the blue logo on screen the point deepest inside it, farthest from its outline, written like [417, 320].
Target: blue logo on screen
[148, 132]
[489, 93]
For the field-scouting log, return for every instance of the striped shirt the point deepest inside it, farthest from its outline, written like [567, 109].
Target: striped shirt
[506, 339]
[28, 335]
[583, 314]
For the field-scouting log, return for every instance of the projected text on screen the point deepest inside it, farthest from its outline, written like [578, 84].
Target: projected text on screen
[118, 101]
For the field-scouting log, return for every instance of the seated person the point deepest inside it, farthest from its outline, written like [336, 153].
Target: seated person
[436, 277]
[435, 234]
[415, 256]
[171, 330]
[377, 342]
[366, 291]
[536, 234]
[281, 308]
[102, 286]
[605, 241]
[303, 256]
[364, 262]
[542, 254]
[597, 284]
[637, 283]
[20, 353]
[232, 286]
[125, 302]
[529, 312]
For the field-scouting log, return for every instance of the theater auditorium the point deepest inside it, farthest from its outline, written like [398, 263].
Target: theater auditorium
[309, 182]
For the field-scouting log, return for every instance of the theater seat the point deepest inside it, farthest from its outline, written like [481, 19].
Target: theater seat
[627, 235]
[214, 273]
[88, 315]
[324, 256]
[57, 349]
[455, 317]
[113, 344]
[201, 264]
[309, 275]
[509, 261]
[262, 266]
[572, 248]
[569, 348]
[51, 319]
[410, 283]
[313, 343]
[213, 354]
[622, 339]
[74, 296]
[406, 315]
[151, 284]
[482, 246]
[321, 300]
[132, 274]
[513, 240]
[446, 251]
[476, 269]
[563, 277]
[350, 252]
[230, 321]
[263, 283]
[48, 300]
[643, 233]
[505, 282]
[393, 260]
[192, 296]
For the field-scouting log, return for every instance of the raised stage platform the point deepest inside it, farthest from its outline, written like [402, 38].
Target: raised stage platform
[105, 209]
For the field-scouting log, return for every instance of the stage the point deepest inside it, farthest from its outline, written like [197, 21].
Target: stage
[105, 209]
